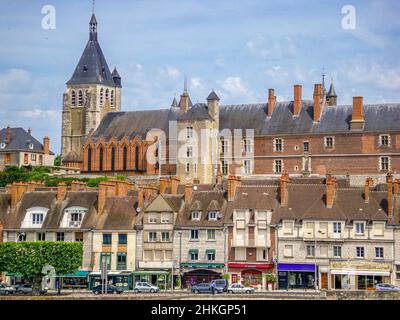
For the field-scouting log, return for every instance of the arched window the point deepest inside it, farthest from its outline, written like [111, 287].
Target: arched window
[112, 159]
[73, 98]
[125, 158]
[112, 98]
[101, 96]
[86, 96]
[80, 98]
[101, 156]
[106, 94]
[89, 164]
[137, 158]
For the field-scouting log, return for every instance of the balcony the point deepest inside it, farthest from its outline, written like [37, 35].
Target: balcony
[156, 264]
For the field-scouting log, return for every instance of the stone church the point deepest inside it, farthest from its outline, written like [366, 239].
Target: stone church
[302, 137]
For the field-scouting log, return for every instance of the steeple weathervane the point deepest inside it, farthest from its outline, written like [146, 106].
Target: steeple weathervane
[93, 25]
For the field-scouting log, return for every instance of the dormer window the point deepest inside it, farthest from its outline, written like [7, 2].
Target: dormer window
[34, 217]
[31, 146]
[37, 219]
[213, 215]
[3, 145]
[196, 215]
[73, 217]
[84, 68]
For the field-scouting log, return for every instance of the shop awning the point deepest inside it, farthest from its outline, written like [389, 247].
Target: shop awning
[193, 251]
[210, 251]
[361, 272]
[150, 272]
[202, 265]
[296, 267]
[111, 273]
[78, 274]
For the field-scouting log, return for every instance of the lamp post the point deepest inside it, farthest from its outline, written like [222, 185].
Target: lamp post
[315, 256]
[180, 257]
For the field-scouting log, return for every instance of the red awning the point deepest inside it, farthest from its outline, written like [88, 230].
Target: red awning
[251, 265]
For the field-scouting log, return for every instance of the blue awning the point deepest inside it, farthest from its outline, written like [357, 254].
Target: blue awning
[80, 274]
[296, 267]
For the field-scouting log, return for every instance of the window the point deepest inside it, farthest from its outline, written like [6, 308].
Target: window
[189, 132]
[112, 159]
[210, 255]
[80, 98]
[107, 237]
[75, 219]
[152, 219]
[187, 167]
[329, 142]
[25, 158]
[360, 252]
[247, 145]
[384, 163]
[224, 146]
[194, 255]
[337, 251]
[37, 218]
[359, 228]
[122, 238]
[398, 272]
[107, 94]
[288, 251]
[384, 140]
[2, 145]
[165, 236]
[112, 98]
[105, 258]
[196, 215]
[211, 234]
[101, 96]
[152, 236]
[306, 146]
[278, 166]
[41, 236]
[310, 251]
[21, 237]
[225, 167]
[60, 236]
[78, 236]
[189, 152]
[212, 215]
[247, 166]
[33, 157]
[288, 227]
[164, 218]
[379, 252]
[41, 160]
[121, 261]
[278, 145]
[240, 254]
[73, 98]
[337, 227]
[194, 234]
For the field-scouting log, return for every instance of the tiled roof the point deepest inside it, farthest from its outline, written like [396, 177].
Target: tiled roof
[20, 141]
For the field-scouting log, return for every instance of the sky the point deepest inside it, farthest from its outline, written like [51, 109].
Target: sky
[238, 48]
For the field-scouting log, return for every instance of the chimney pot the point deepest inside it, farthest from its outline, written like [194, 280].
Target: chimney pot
[271, 101]
[46, 145]
[188, 192]
[297, 99]
[330, 191]
[357, 118]
[317, 102]
[8, 134]
[283, 182]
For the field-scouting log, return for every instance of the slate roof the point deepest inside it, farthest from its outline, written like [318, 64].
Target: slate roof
[119, 214]
[334, 119]
[331, 92]
[92, 67]
[213, 96]
[20, 141]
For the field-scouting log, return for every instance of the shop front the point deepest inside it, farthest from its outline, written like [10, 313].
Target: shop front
[358, 275]
[250, 274]
[77, 280]
[296, 276]
[158, 278]
[194, 273]
[121, 279]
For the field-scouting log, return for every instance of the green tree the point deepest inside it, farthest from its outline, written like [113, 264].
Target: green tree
[29, 258]
[57, 160]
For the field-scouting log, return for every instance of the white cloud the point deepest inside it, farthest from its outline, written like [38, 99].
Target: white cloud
[196, 83]
[14, 80]
[171, 72]
[234, 86]
[266, 47]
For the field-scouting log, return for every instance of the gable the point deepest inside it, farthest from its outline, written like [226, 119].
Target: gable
[159, 204]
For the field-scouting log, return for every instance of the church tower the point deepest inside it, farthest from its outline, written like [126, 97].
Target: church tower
[91, 93]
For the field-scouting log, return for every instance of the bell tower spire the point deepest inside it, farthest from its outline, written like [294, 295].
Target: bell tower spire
[93, 26]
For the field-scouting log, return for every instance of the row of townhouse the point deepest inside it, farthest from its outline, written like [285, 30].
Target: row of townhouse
[305, 232]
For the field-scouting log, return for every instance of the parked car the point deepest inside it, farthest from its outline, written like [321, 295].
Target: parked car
[5, 289]
[239, 288]
[27, 289]
[204, 288]
[145, 287]
[387, 287]
[220, 284]
[108, 289]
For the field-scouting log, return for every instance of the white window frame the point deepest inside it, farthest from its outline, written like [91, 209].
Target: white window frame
[192, 232]
[195, 215]
[326, 142]
[247, 145]
[357, 224]
[213, 215]
[310, 250]
[381, 163]
[379, 253]
[225, 167]
[163, 238]
[336, 250]
[187, 167]
[152, 239]
[337, 227]
[247, 167]
[360, 252]
[381, 137]
[189, 132]
[212, 232]
[278, 142]
[275, 165]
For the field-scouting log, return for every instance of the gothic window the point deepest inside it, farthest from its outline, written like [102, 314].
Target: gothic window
[101, 156]
[73, 98]
[112, 98]
[80, 98]
[86, 96]
[101, 96]
[112, 159]
[137, 158]
[125, 160]
[89, 159]
[106, 94]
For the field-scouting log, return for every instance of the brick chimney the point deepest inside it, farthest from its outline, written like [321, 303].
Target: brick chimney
[396, 187]
[30, 131]
[106, 189]
[8, 134]
[174, 185]
[61, 191]
[140, 197]
[330, 191]
[283, 188]
[46, 145]
[389, 180]
[188, 192]
[164, 184]
[317, 102]
[297, 100]
[271, 101]
[368, 183]
[357, 117]
[233, 183]
[17, 190]
[184, 102]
